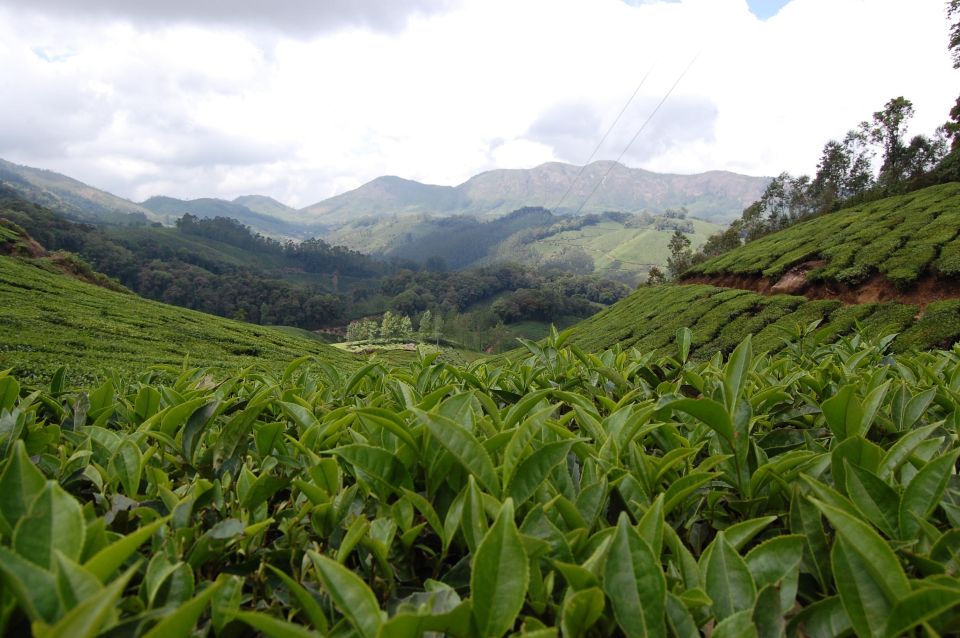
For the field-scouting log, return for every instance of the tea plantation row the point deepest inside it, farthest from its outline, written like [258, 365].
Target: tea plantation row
[721, 318]
[810, 493]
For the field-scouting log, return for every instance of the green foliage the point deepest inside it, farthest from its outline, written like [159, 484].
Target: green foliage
[901, 238]
[720, 318]
[618, 493]
[48, 320]
[681, 257]
[613, 245]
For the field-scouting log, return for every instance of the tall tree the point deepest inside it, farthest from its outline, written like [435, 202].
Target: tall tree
[844, 171]
[924, 153]
[888, 129]
[953, 11]
[681, 257]
[860, 177]
[655, 277]
[425, 326]
[830, 181]
[952, 127]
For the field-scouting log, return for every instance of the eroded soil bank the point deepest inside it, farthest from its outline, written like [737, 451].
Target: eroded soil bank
[877, 288]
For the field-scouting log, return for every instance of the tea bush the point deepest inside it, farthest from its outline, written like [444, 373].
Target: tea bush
[808, 493]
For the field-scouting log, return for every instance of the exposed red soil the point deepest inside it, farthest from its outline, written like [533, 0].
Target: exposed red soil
[877, 288]
[27, 246]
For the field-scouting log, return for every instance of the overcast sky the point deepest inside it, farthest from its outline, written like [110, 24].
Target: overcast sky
[304, 99]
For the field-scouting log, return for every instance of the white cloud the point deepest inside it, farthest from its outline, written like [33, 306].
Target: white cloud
[183, 104]
[521, 154]
[298, 17]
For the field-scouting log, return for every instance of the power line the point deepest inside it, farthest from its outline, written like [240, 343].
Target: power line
[604, 138]
[637, 134]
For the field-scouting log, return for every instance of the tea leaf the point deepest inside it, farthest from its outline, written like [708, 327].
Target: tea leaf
[498, 582]
[634, 582]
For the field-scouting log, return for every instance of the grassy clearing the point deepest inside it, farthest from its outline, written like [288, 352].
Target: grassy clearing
[901, 237]
[48, 320]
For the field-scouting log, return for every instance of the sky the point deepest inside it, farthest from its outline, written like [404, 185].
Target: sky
[301, 100]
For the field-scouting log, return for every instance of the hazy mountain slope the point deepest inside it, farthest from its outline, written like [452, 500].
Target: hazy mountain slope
[716, 195]
[462, 241]
[82, 202]
[169, 209]
[388, 195]
[268, 206]
[619, 249]
[615, 245]
[69, 196]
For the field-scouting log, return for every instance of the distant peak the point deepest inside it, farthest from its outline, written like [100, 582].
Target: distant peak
[161, 198]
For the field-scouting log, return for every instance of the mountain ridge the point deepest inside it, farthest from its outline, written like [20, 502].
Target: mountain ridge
[716, 195]
[70, 196]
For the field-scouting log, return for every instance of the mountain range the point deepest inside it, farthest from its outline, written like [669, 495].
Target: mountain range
[717, 196]
[604, 186]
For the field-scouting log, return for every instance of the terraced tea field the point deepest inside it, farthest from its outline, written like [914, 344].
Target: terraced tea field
[720, 318]
[48, 320]
[901, 238]
[691, 461]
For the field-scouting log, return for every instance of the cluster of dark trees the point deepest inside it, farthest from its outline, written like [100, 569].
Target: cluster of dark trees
[533, 294]
[845, 173]
[677, 225]
[541, 305]
[240, 294]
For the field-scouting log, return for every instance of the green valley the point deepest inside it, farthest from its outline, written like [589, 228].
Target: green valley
[612, 245]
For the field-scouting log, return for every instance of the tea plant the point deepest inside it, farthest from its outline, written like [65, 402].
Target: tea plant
[809, 493]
